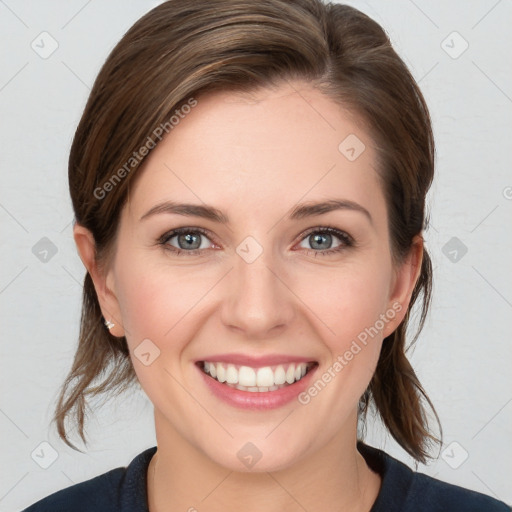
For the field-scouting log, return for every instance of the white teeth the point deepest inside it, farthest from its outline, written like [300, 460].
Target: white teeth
[246, 376]
[231, 374]
[221, 373]
[265, 377]
[290, 374]
[279, 375]
[254, 389]
[262, 379]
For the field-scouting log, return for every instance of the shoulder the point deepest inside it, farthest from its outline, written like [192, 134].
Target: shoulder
[428, 493]
[98, 493]
[122, 489]
[404, 490]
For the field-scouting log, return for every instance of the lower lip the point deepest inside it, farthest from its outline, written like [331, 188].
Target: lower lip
[258, 400]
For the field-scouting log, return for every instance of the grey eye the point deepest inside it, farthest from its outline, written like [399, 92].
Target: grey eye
[191, 240]
[320, 241]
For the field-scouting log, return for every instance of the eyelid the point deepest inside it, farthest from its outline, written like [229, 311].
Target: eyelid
[186, 229]
[346, 239]
[340, 233]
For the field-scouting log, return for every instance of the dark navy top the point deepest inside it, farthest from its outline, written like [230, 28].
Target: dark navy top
[402, 490]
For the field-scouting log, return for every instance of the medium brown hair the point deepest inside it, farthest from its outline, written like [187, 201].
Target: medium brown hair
[183, 48]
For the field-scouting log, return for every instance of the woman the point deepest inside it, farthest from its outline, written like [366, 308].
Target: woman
[249, 181]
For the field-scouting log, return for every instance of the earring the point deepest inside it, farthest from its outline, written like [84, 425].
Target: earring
[109, 324]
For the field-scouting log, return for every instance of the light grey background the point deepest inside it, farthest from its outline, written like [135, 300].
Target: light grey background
[464, 355]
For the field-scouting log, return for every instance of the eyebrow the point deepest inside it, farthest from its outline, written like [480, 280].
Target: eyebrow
[301, 211]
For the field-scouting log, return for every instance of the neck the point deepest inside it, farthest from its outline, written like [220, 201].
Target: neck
[180, 477]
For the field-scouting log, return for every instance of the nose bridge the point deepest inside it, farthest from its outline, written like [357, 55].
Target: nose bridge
[257, 300]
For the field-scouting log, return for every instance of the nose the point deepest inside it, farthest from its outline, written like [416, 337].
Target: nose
[257, 301]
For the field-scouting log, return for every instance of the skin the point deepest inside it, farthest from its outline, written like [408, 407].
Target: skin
[254, 157]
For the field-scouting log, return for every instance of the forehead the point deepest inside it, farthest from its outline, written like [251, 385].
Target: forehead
[268, 148]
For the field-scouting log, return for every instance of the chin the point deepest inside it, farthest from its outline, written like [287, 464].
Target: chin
[253, 456]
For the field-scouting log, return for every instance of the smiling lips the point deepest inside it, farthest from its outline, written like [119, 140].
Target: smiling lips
[256, 383]
[256, 379]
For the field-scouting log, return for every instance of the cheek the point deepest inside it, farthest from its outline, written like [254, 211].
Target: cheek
[158, 304]
[351, 303]
[154, 299]
[347, 299]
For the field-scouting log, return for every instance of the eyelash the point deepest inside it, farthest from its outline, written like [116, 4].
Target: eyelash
[346, 240]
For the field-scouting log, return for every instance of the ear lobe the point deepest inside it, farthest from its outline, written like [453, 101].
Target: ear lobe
[406, 276]
[109, 305]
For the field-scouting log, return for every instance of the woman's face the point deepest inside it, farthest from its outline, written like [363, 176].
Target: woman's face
[270, 280]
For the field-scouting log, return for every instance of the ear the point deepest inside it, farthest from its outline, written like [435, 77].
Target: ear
[101, 278]
[404, 281]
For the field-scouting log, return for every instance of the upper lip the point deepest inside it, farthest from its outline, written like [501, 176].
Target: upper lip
[255, 362]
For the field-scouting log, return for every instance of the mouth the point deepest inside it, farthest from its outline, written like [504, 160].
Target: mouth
[256, 379]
